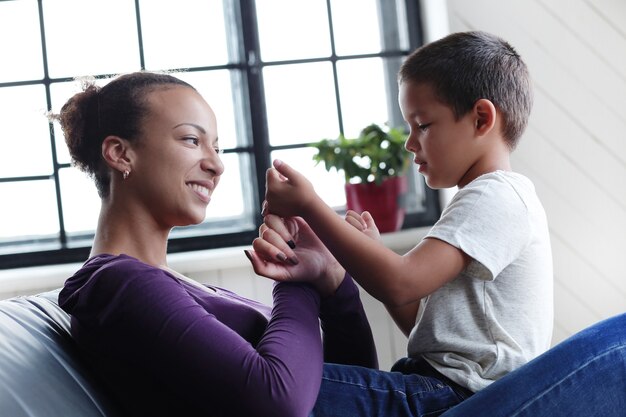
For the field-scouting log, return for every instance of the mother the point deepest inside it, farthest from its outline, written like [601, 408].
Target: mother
[163, 344]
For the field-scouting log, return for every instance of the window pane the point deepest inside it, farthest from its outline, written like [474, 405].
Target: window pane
[20, 47]
[81, 203]
[189, 34]
[328, 185]
[87, 37]
[24, 133]
[217, 90]
[363, 94]
[301, 104]
[228, 198]
[356, 35]
[28, 210]
[293, 29]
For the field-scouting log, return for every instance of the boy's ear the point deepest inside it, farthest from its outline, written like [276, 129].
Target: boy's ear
[486, 116]
[117, 153]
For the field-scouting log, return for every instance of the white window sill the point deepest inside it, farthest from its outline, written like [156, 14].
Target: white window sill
[36, 279]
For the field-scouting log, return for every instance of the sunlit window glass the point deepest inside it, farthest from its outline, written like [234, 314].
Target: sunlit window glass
[363, 94]
[279, 75]
[227, 200]
[328, 185]
[28, 210]
[301, 104]
[81, 203]
[99, 38]
[24, 138]
[356, 33]
[184, 34]
[20, 45]
[298, 30]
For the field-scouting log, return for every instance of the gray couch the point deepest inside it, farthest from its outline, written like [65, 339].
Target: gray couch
[41, 373]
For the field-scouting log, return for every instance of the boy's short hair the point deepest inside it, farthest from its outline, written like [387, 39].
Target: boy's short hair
[467, 66]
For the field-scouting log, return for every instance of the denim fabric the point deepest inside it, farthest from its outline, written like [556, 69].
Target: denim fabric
[584, 375]
[353, 391]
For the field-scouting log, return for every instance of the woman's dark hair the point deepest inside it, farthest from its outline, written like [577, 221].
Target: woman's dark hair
[116, 109]
[466, 66]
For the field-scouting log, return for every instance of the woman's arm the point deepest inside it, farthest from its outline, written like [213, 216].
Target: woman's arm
[151, 320]
[347, 333]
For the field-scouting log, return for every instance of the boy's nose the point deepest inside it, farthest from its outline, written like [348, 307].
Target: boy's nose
[411, 144]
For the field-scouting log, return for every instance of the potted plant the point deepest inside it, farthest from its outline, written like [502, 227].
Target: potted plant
[374, 165]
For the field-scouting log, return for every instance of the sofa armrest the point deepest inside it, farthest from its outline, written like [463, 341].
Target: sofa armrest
[41, 371]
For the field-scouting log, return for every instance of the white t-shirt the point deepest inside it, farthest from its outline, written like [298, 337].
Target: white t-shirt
[498, 313]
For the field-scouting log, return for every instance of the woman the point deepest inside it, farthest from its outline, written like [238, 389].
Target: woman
[163, 344]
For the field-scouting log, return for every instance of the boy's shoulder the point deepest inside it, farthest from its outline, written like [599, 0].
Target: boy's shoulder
[511, 178]
[500, 185]
[499, 197]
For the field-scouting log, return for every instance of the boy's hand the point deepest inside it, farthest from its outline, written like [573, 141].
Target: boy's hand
[363, 222]
[287, 192]
[288, 250]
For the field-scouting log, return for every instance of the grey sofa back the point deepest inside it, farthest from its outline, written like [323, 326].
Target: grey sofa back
[41, 373]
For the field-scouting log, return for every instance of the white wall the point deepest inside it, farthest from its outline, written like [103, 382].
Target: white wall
[575, 146]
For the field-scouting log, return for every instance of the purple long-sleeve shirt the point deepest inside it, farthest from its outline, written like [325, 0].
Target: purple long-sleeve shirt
[166, 347]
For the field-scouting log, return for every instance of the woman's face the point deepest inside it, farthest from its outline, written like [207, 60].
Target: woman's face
[176, 165]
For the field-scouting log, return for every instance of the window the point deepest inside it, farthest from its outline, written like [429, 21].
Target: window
[279, 75]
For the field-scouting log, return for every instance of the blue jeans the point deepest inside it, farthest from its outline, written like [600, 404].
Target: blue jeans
[584, 375]
[412, 388]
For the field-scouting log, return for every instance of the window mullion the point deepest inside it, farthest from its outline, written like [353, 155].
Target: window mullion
[257, 111]
[142, 61]
[53, 149]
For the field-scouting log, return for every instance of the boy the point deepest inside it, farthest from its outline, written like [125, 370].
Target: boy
[474, 296]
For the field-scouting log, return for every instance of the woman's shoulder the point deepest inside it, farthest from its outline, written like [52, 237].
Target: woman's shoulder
[105, 276]
[119, 267]
[122, 262]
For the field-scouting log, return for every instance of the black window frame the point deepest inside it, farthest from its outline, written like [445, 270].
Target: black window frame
[67, 250]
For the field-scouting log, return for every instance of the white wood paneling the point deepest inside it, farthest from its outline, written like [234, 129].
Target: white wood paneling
[575, 147]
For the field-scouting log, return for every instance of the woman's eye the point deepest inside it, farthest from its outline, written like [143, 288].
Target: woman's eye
[218, 150]
[192, 140]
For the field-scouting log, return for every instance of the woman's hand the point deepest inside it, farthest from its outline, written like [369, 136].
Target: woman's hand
[288, 250]
[364, 222]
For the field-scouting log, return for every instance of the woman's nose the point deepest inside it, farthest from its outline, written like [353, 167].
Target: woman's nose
[212, 162]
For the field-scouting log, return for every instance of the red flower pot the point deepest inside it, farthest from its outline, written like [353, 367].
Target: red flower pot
[384, 201]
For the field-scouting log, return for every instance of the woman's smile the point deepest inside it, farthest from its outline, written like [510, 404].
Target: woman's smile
[202, 190]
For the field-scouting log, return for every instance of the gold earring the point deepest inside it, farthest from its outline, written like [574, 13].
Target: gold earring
[125, 174]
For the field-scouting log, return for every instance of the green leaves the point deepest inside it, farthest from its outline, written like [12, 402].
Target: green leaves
[376, 154]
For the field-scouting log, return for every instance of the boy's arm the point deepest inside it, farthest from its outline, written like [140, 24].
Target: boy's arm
[396, 280]
[404, 316]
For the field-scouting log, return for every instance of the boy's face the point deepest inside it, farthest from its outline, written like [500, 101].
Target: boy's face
[443, 147]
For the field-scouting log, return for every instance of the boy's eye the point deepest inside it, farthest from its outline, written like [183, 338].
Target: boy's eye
[423, 127]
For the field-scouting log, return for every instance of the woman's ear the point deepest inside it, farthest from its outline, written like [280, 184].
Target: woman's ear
[486, 116]
[117, 153]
